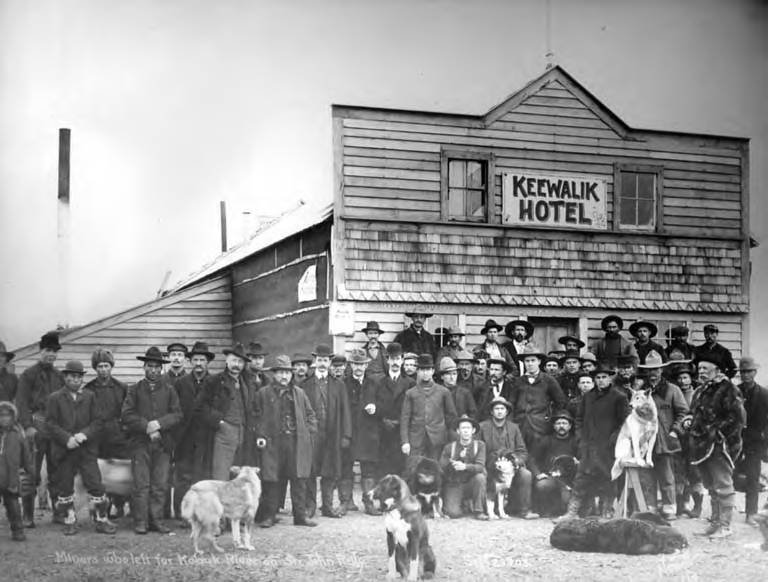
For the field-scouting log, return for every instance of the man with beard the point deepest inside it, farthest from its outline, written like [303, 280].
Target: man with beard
[374, 350]
[464, 361]
[491, 345]
[9, 382]
[285, 427]
[497, 385]
[300, 364]
[626, 373]
[389, 403]
[679, 348]
[36, 383]
[191, 435]
[480, 368]
[755, 433]
[672, 409]
[519, 332]
[331, 405]
[569, 379]
[613, 345]
[109, 394]
[571, 343]
[550, 494]
[601, 415]
[226, 408]
[255, 375]
[710, 346]
[643, 332]
[718, 420]
[415, 338]
[536, 396]
[448, 374]
[452, 347]
[409, 365]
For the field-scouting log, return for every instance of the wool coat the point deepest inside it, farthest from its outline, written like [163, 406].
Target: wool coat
[535, 403]
[603, 355]
[36, 384]
[192, 434]
[142, 404]
[487, 391]
[755, 433]
[15, 454]
[9, 385]
[508, 436]
[366, 428]
[109, 399]
[464, 401]
[416, 342]
[598, 423]
[415, 427]
[474, 459]
[268, 423]
[66, 416]
[672, 409]
[334, 424]
[719, 417]
[389, 404]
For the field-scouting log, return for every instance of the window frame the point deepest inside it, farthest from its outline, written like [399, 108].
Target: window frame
[487, 158]
[658, 207]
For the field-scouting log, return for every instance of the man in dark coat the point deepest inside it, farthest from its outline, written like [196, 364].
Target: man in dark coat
[626, 374]
[536, 397]
[177, 357]
[254, 374]
[755, 433]
[285, 430]
[679, 344]
[496, 385]
[150, 411]
[613, 344]
[447, 375]
[389, 403]
[366, 427]
[643, 332]
[330, 403]
[9, 382]
[375, 351]
[36, 384]
[491, 345]
[519, 333]
[569, 380]
[191, 435]
[550, 494]
[711, 347]
[15, 460]
[73, 422]
[415, 338]
[452, 347]
[226, 408]
[719, 417]
[601, 415]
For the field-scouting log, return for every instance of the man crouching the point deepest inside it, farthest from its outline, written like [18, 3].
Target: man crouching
[463, 463]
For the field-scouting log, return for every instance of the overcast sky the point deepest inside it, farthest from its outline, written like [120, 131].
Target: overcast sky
[177, 104]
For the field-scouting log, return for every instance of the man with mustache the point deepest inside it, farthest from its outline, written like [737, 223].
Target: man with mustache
[643, 332]
[519, 332]
[452, 346]
[491, 346]
[374, 350]
[254, 374]
[415, 338]
[550, 494]
[613, 344]
[710, 346]
[389, 402]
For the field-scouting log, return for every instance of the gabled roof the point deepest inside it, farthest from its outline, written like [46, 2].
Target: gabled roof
[292, 222]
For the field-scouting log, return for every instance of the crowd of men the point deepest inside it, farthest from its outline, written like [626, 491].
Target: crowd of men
[311, 416]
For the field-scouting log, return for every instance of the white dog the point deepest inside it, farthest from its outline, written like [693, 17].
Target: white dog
[208, 501]
[638, 434]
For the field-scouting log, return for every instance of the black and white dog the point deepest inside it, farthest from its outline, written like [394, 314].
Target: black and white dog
[408, 549]
[502, 467]
[425, 479]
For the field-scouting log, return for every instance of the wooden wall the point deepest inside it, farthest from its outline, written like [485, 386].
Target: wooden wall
[202, 312]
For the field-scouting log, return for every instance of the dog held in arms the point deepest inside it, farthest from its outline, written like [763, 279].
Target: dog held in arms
[502, 468]
[408, 549]
[637, 437]
[208, 501]
[425, 479]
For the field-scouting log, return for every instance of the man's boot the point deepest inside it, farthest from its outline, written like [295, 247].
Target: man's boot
[13, 511]
[28, 510]
[66, 507]
[346, 500]
[698, 499]
[574, 505]
[682, 510]
[370, 508]
[311, 496]
[326, 494]
[101, 506]
[714, 519]
[724, 524]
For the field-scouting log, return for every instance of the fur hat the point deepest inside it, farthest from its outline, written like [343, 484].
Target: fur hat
[50, 341]
[102, 356]
[10, 407]
[624, 360]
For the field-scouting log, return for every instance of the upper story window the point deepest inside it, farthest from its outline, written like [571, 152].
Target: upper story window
[466, 191]
[638, 199]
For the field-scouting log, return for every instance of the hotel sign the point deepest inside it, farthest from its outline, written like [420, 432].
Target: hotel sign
[531, 199]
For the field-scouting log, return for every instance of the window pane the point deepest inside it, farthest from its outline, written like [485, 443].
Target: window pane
[456, 203]
[628, 185]
[457, 174]
[476, 203]
[645, 186]
[645, 212]
[628, 214]
[474, 175]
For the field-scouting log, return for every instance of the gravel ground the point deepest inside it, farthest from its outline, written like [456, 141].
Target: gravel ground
[354, 548]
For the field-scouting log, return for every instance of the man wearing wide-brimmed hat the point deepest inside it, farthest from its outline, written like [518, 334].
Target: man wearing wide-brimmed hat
[519, 332]
[415, 338]
[452, 346]
[285, 429]
[712, 347]
[255, 375]
[36, 383]
[9, 382]
[447, 374]
[491, 345]
[331, 404]
[150, 412]
[672, 409]
[613, 344]
[463, 464]
[644, 332]
[536, 395]
[428, 412]
[755, 433]
[74, 421]
[192, 437]
[374, 350]
[550, 494]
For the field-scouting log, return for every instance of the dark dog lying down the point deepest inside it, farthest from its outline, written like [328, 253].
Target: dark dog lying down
[425, 480]
[616, 536]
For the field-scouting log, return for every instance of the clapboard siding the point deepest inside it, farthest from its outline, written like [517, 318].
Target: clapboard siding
[202, 312]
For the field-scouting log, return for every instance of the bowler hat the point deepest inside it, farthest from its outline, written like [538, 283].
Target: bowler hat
[176, 347]
[237, 350]
[50, 341]
[490, 324]
[653, 360]
[74, 367]
[323, 351]
[711, 327]
[609, 318]
[562, 414]
[8, 355]
[358, 356]
[412, 313]
[570, 338]
[371, 326]
[464, 356]
[394, 350]
[301, 358]
[748, 363]
[633, 329]
[102, 356]
[510, 327]
[500, 400]
[469, 419]
[446, 365]
[153, 354]
[282, 362]
[201, 349]
[338, 360]
[425, 361]
[255, 350]
[454, 331]
[530, 350]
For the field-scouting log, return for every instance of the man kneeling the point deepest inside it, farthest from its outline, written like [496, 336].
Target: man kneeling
[463, 463]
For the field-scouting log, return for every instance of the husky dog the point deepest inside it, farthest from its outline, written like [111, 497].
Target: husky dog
[502, 471]
[638, 434]
[208, 501]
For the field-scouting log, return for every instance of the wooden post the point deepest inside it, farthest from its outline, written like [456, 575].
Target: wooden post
[223, 213]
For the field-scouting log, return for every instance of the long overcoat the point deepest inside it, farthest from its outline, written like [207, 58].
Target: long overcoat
[366, 427]
[389, 404]
[598, 423]
[334, 424]
[719, 417]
